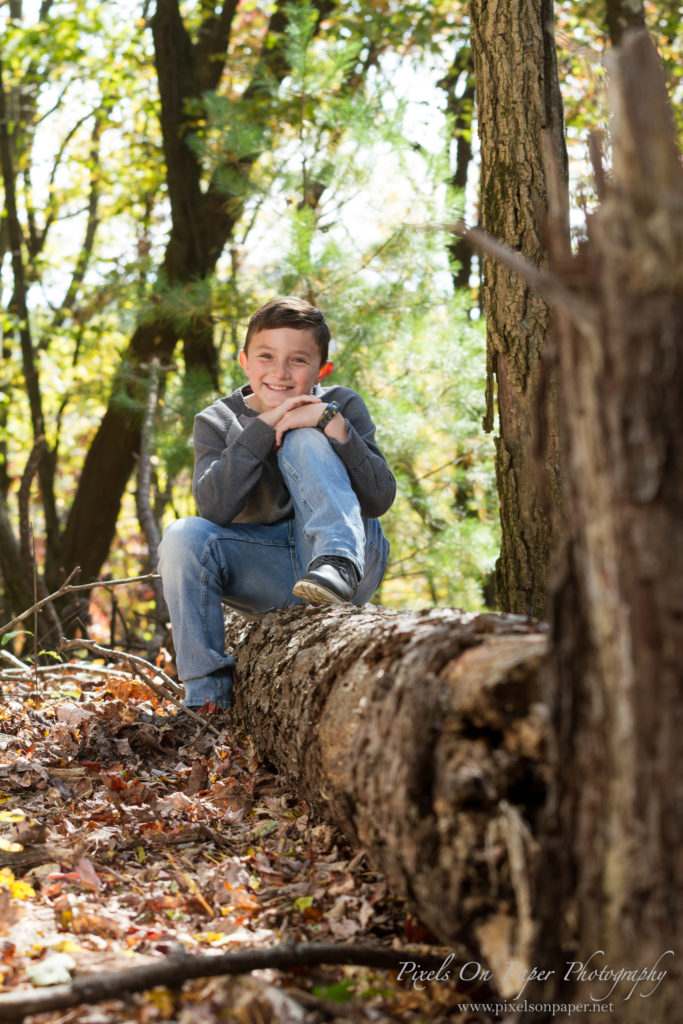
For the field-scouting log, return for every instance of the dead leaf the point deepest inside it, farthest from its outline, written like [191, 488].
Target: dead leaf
[73, 715]
[87, 873]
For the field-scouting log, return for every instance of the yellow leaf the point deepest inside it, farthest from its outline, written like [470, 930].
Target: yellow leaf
[10, 847]
[12, 816]
[163, 1000]
[22, 890]
[67, 946]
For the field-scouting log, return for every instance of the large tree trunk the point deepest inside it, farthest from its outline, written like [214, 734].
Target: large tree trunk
[421, 736]
[518, 100]
[613, 873]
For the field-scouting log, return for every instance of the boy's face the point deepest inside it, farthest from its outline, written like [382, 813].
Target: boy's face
[281, 363]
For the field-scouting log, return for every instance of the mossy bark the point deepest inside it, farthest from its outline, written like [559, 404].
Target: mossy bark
[518, 100]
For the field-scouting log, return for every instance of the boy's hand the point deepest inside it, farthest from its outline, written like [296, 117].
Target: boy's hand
[273, 416]
[308, 416]
[300, 416]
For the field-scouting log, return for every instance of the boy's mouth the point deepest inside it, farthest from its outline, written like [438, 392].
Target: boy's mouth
[279, 387]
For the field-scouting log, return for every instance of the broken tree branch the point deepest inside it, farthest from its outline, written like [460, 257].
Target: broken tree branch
[175, 969]
[547, 285]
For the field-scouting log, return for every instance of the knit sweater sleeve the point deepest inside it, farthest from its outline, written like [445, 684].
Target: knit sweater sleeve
[229, 461]
[369, 473]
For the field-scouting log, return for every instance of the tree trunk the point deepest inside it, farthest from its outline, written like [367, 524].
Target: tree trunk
[518, 100]
[421, 737]
[613, 874]
[622, 15]
[460, 108]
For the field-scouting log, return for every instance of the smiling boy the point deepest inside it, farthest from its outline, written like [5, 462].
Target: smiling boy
[289, 484]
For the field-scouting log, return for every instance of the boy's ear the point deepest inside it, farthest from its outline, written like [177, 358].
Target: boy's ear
[243, 359]
[325, 370]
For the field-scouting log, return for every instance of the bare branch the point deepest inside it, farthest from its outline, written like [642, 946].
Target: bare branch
[545, 284]
[68, 588]
[133, 660]
[175, 969]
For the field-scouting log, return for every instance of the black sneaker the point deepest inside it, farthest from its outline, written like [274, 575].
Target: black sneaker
[329, 580]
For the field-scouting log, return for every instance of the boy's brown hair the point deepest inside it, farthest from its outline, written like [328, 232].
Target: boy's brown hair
[290, 311]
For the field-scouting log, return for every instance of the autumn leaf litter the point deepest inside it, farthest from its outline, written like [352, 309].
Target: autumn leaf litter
[123, 841]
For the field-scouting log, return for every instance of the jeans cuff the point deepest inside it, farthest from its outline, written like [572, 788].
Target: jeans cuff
[211, 689]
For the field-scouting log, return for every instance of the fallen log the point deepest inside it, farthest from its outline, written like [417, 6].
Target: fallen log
[422, 737]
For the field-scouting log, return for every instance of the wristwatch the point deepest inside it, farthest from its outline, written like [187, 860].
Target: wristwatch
[329, 414]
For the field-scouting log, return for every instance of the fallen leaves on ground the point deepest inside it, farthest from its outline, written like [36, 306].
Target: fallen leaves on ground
[123, 840]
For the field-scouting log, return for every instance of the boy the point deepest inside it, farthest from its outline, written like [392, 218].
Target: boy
[289, 483]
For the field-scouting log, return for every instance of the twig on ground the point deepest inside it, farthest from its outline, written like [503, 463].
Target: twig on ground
[175, 969]
[166, 691]
[13, 660]
[61, 668]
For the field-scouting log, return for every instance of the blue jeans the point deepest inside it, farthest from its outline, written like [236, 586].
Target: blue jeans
[253, 567]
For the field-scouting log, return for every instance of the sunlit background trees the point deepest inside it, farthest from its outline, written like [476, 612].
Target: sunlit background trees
[168, 167]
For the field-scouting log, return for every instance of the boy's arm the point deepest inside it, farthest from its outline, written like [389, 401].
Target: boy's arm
[228, 464]
[369, 473]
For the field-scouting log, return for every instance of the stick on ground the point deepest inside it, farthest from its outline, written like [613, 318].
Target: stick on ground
[175, 969]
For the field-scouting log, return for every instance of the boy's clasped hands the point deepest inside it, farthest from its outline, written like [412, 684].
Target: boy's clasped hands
[302, 411]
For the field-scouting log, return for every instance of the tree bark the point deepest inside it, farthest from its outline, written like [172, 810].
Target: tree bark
[518, 100]
[613, 862]
[419, 735]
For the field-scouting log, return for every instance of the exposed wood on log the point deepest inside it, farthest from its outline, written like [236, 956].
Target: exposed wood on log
[422, 737]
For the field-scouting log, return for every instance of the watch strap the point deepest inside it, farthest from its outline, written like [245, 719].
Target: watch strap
[328, 415]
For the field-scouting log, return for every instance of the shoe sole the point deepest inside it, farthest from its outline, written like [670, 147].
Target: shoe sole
[315, 593]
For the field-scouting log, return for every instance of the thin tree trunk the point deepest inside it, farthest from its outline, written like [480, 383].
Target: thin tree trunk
[622, 15]
[461, 110]
[19, 308]
[613, 873]
[421, 736]
[518, 100]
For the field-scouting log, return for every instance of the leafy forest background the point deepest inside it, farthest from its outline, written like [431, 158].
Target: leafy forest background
[167, 168]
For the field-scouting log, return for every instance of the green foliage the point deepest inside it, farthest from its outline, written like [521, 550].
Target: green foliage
[399, 336]
[334, 199]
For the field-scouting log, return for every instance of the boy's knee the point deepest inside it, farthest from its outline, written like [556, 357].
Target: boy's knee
[304, 440]
[183, 538]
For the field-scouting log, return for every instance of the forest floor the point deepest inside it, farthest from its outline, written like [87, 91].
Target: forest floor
[122, 842]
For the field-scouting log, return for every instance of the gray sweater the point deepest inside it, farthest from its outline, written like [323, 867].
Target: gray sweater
[236, 473]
